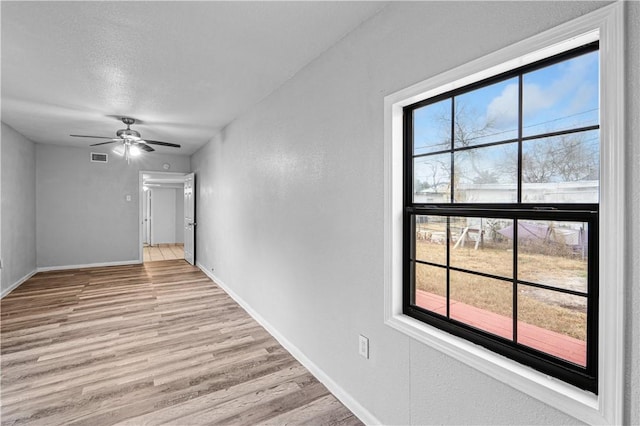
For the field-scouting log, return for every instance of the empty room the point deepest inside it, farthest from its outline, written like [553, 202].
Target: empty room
[320, 212]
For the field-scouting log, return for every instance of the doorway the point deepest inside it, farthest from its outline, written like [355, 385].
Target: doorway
[161, 216]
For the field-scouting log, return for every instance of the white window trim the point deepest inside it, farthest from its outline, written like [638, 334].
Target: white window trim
[607, 25]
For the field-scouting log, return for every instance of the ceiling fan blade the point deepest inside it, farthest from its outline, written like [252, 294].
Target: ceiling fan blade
[104, 143]
[175, 145]
[145, 147]
[85, 136]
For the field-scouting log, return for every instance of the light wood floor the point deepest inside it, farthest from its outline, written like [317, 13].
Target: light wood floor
[163, 252]
[147, 344]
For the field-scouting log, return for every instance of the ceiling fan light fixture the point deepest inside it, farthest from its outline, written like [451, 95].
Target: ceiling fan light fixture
[131, 142]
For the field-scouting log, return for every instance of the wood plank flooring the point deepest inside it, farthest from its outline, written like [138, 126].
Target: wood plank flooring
[163, 252]
[157, 343]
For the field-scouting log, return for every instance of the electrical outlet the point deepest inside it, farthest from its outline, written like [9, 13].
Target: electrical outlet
[363, 346]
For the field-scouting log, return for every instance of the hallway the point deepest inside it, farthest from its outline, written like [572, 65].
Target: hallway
[163, 252]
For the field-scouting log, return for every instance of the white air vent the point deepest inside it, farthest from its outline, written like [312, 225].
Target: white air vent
[98, 157]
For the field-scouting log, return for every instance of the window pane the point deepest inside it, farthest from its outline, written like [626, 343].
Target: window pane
[486, 175]
[431, 239]
[431, 288]
[488, 114]
[432, 127]
[553, 322]
[477, 245]
[432, 177]
[561, 169]
[561, 96]
[553, 253]
[481, 302]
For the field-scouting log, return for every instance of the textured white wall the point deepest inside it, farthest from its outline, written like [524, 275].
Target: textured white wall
[82, 214]
[290, 209]
[632, 389]
[163, 215]
[18, 223]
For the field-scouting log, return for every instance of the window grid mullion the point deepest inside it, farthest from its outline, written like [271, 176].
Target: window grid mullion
[448, 266]
[415, 259]
[515, 281]
[408, 152]
[510, 141]
[592, 300]
[451, 200]
[452, 177]
[519, 200]
[520, 120]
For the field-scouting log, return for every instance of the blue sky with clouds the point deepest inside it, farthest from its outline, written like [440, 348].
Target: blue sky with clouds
[556, 97]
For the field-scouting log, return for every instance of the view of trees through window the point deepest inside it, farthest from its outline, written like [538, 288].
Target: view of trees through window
[480, 130]
[502, 208]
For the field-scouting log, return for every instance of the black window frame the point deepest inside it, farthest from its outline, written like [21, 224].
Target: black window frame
[582, 377]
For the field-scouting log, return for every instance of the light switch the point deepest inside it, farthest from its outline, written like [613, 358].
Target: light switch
[127, 197]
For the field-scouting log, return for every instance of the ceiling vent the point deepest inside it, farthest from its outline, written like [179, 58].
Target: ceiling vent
[99, 157]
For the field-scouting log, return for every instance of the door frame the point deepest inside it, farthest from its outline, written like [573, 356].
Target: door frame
[190, 223]
[146, 216]
[141, 173]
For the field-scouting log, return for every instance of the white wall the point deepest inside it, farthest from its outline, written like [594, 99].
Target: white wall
[163, 215]
[290, 210]
[18, 220]
[82, 215]
[632, 360]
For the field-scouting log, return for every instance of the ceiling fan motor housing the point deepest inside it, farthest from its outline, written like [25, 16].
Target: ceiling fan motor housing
[128, 133]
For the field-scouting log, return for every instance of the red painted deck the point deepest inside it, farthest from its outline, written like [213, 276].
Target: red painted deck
[556, 344]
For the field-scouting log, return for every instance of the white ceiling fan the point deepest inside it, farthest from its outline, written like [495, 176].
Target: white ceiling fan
[131, 143]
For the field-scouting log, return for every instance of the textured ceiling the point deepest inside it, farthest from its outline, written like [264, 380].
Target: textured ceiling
[184, 69]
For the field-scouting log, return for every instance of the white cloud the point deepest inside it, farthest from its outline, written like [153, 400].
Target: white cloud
[503, 109]
[571, 80]
[537, 98]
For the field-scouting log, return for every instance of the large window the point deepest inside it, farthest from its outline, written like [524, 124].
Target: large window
[501, 205]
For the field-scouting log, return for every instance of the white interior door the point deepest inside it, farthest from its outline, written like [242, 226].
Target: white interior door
[189, 219]
[146, 215]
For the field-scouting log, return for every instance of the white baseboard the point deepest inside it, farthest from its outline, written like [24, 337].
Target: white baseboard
[88, 265]
[356, 408]
[17, 283]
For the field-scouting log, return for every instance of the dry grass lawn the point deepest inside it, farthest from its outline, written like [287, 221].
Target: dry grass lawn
[562, 313]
